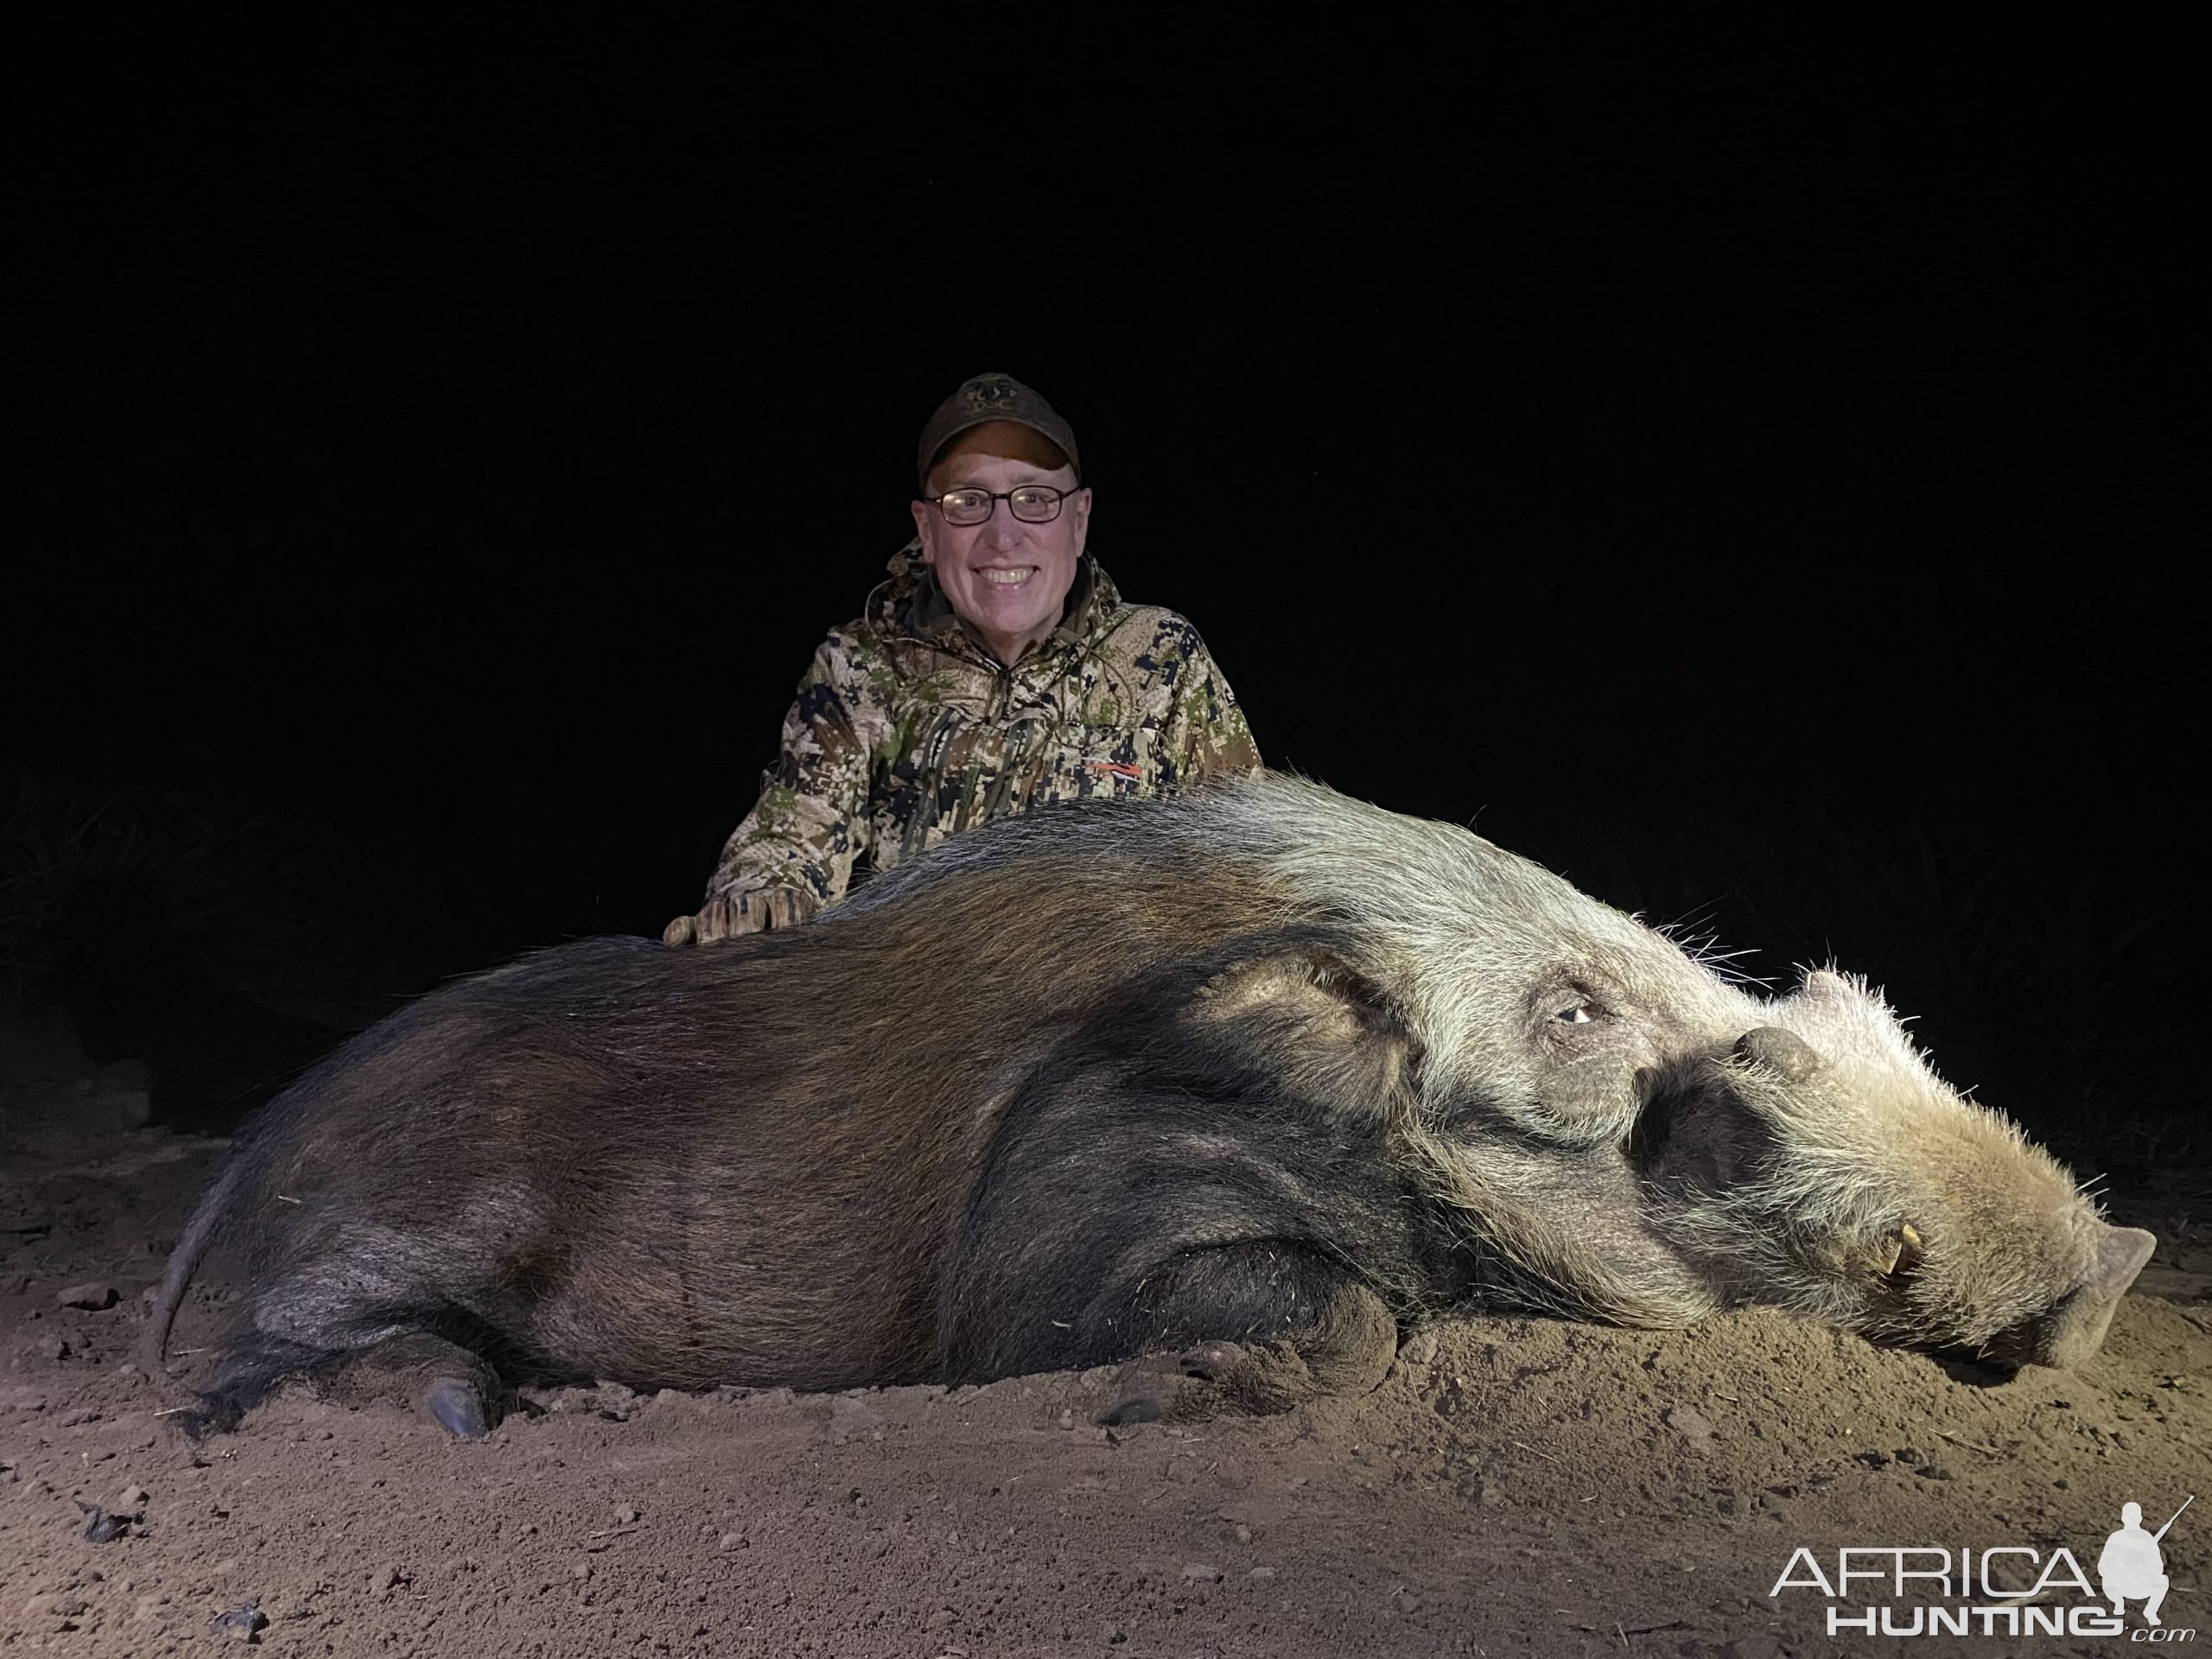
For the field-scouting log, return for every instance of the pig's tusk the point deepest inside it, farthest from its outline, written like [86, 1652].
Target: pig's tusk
[1901, 1250]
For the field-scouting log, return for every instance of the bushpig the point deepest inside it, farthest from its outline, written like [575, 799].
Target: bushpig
[1260, 1075]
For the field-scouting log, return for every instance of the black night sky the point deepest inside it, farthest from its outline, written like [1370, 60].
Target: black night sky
[1747, 476]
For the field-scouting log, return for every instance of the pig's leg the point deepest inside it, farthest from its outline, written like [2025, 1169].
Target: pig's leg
[456, 1386]
[1290, 1325]
[453, 1384]
[369, 1310]
[1347, 1350]
[248, 1368]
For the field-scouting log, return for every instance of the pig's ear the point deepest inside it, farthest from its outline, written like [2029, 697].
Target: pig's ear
[1328, 1030]
[1782, 1052]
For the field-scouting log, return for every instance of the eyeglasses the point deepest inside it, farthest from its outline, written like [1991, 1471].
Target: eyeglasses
[1033, 503]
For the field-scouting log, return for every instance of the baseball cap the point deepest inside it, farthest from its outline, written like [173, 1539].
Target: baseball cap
[993, 397]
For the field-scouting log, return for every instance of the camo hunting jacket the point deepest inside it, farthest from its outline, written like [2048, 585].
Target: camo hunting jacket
[907, 730]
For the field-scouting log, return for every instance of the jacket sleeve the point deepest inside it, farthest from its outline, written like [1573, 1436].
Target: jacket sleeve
[794, 851]
[1205, 732]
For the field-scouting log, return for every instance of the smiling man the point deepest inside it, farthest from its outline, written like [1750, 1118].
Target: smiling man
[996, 670]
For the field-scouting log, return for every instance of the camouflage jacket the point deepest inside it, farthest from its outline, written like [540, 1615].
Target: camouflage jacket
[907, 730]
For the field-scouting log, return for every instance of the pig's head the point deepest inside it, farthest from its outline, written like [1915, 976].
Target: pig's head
[1630, 1135]
[1893, 1206]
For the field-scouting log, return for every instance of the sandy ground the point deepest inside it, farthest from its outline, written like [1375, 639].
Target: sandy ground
[1515, 1486]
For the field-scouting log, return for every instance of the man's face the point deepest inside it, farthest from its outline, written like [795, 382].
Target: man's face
[1007, 579]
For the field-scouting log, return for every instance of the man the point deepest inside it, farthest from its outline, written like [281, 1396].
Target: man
[997, 669]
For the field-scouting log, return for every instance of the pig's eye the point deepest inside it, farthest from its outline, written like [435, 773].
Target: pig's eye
[1581, 1013]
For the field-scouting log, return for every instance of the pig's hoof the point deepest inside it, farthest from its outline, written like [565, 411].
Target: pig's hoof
[1214, 1361]
[1171, 1387]
[459, 1408]
[1137, 1409]
[214, 1414]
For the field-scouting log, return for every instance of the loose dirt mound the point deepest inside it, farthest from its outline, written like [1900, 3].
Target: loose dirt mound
[1515, 1486]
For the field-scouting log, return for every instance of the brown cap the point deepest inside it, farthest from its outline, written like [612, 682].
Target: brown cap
[993, 397]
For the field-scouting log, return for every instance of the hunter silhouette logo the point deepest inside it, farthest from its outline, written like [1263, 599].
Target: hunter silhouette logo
[2130, 1565]
[1930, 1590]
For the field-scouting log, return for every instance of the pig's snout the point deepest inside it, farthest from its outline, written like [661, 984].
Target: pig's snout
[2076, 1323]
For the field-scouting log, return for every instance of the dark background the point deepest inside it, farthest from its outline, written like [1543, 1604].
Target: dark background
[1746, 474]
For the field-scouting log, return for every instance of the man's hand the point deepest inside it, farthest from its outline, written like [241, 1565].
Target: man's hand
[725, 917]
